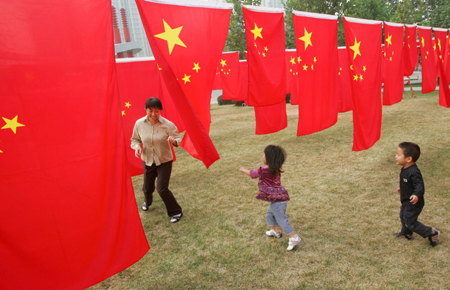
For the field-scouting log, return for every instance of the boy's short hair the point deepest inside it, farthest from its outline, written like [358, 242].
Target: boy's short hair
[410, 150]
[153, 103]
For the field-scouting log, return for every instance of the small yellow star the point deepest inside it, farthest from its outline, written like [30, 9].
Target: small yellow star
[158, 67]
[439, 44]
[196, 66]
[305, 67]
[423, 42]
[428, 52]
[12, 124]
[434, 46]
[292, 60]
[390, 59]
[351, 67]
[256, 45]
[340, 68]
[186, 78]
[315, 59]
[299, 59]
[355, 77]
[127, 104]
[312, 67]
[257, 32]
[264, 54]
[364, 68]
[290, 70]
[123, 113]
[265, 48]
[339, 73]
[360, 77]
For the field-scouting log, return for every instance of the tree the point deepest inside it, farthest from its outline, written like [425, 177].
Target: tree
[411, 12]
[236, 40]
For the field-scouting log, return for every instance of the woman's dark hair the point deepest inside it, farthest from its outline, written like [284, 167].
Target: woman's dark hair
[153, 103]
[410, 150]
[275, 157]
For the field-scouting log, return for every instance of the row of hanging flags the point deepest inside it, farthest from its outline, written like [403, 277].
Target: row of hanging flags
[69, 213]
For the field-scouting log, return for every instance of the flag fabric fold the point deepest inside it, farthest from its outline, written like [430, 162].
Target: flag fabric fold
[344, 84]
[394, 63]
[363, 42]
[229, 71]
[264, 30]
[444, 91]
[429, 78]
[410, 50]
[70, 218]
[316, 42]
[270, 119]
[187, 39]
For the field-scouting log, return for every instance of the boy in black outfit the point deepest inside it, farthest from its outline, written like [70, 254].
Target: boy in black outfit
[411, 193]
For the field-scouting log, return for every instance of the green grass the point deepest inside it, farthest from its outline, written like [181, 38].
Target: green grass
[343, 204]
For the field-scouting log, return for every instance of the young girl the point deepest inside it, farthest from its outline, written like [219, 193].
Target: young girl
[270, 190]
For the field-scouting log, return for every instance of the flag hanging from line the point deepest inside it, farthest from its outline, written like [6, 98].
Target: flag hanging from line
[316, 42]
[264, 30]
[410, 50]
[429, 78]
[292, 65]
[440, 35]
[394, 63]
[447, 59]
[344, 84]
[230, 75]
[187, 38]
[363, 41]
[69, 215]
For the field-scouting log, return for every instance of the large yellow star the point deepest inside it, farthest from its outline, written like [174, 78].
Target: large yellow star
[127, 104]
[355, 48]
[389, 40]
[306, 38]
[196, 66]
[186, 78]
[292, 60]
[423, 42]
[12, 124]
[171, 36]
[257, 32]
[223, 62]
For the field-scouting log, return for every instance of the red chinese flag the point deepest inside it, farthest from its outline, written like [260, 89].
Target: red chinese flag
[344, 83]
[316, 42]
[292, 64]
[270, 119]
[230, 75]
[243, 72]
[69, 215]
[410, 50]
[363, 39]
[138, 80]
[447, 59]
[429, 80]
[444, 91]
[187, 39]
[264, 30]
[394, 62]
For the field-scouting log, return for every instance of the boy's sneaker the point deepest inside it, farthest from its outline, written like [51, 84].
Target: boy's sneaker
[434, 237]
[293, 242]
[273, 233]
[401, 236]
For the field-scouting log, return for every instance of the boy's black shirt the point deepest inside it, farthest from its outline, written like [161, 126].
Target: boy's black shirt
[411, 183]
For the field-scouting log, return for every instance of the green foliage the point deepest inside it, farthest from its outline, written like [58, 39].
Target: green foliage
[410, 12]
[236, 35]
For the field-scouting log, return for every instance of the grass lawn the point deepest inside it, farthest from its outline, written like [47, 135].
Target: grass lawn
[343, 204]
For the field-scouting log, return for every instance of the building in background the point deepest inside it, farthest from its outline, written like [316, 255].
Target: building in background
[135, 28]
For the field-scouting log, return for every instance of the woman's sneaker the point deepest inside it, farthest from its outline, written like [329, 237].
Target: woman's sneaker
[434, 237]
[293, 242]
[273, 233]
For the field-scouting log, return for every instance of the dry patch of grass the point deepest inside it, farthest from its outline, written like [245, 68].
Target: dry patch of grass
[343, 204]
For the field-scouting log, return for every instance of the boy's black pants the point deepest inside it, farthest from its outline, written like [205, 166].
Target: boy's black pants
[409, 214]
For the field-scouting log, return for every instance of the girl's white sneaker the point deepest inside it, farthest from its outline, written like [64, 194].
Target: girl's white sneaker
[273, 233]
[293, 242]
